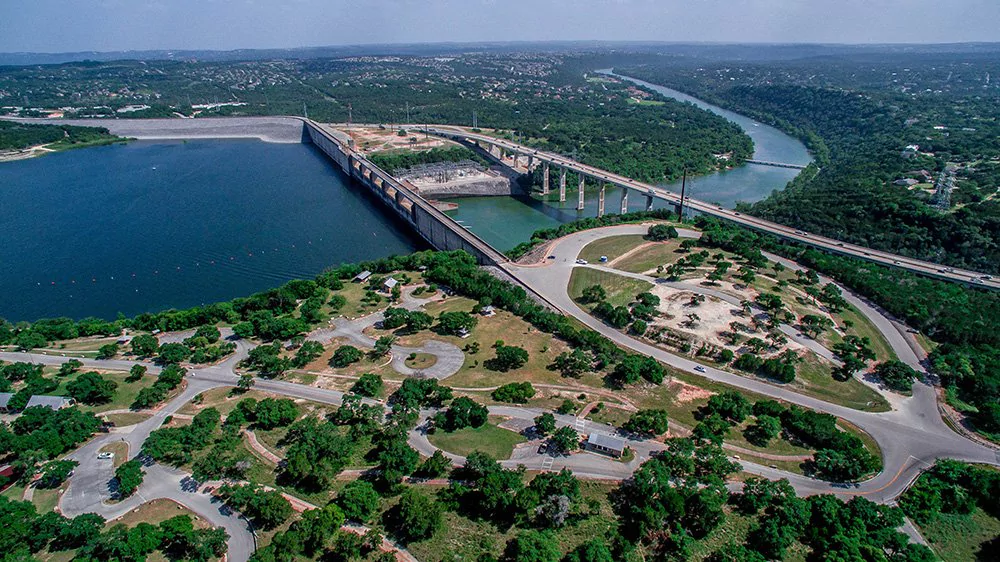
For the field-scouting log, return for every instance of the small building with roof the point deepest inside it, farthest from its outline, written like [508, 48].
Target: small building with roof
[53, 402]
[4, 400]
[363, 276]
[606, 444]
[389, 284]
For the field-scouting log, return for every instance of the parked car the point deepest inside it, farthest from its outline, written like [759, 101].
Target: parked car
[106, 455]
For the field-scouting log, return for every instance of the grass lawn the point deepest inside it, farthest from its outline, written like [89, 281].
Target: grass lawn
[130, 418]
[490, 439]
[864, 328]
[612, 247]
[222, 399]
[156, 512]
[610, 415]
[120, 450]
[662, 253]
[125, 393]
[45, 500]
[958, 538]
[814, 379]
[420, 360]
[621, 290]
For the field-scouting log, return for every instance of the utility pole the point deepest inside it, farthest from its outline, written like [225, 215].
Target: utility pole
[475, 120]
[407, 112]
[349, 116]
[680, 208]
[305, 112]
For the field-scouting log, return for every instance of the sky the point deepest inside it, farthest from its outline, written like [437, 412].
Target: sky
[53, 26]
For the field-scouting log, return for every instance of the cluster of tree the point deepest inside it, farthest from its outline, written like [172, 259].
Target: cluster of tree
[540, 237]
[406, 321]
[482, 489]
[17, 136]
[828, 526]
[91, 388]
[858, 140]
[395, 161]
[968, 361]
[508, 358]
[170, 377]
[177, 445]
[660, 232]
[952, 487]
[515, 392]
[266, 508]
[27, 532]
[33, 379]
[41, 433]
[648, 422]
[463, 412]
[317, 452]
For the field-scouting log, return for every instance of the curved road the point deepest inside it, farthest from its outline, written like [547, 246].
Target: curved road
[911, 437]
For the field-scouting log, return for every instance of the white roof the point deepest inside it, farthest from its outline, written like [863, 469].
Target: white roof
[54, 402]
[606, 441]
[5, 398]
[390, 282]
[363, 275]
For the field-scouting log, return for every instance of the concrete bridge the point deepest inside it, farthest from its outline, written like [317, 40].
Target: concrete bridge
[513, 154]
[777, 164]
[437, 228]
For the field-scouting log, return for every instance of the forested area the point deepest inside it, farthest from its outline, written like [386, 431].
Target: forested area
[543, 100]
[17, 136]
[395, 161]
[858, 117]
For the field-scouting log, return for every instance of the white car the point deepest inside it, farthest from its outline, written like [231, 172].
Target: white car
[700, 369]
[581, 261]
[106, 455]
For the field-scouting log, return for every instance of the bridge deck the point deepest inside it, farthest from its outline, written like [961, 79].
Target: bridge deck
[971, 278]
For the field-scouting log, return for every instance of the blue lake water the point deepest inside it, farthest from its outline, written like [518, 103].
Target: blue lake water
[148, 225]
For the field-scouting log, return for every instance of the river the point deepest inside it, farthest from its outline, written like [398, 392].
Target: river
[151, 225]
[504, 222]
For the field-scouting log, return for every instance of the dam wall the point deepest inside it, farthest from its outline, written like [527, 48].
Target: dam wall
[438, 229]
[267, 129]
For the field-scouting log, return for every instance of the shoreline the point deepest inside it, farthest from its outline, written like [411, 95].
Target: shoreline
[45, 149]
[288, 130]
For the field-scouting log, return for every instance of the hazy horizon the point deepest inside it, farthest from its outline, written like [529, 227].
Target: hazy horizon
[59, 26]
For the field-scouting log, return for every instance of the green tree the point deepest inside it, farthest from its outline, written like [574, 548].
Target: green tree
[572, 364]
[91, 388]
[275, 412]
[417, 516]
[54, 473]
[106, 351]
[435, 466]
[173, 353]
[69, 367]
[508, 358]
[344, 356]
[763, 430]
[545, 423]
[896, 375]
[129, 477]
[136, 373]
[593, 294]
[145, 345]
[359, 501]
[515, 392]
[533, 546]
[456, 323]
[464, 412]
[648, 422]
[369, 385]
[564, 440]
[660, 232]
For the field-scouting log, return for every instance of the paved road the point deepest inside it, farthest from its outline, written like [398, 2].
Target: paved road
[829, 244]
[912, 436]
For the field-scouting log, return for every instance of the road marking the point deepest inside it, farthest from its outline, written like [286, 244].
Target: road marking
[547, 463]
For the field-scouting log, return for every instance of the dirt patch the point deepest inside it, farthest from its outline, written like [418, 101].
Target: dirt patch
[704, 321]
[684, 392]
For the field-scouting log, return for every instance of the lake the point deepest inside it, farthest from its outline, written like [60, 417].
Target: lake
[151, 225]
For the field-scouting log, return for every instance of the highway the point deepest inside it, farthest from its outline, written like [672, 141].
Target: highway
[967, 277]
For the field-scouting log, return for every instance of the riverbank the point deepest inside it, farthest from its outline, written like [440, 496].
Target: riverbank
[50, 148]
[287, 130]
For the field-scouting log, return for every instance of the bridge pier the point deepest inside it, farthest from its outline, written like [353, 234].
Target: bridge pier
[600, 202]
[624, 200]
[545, 178]
[562, 185]
[649, 203]
[583, 183]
